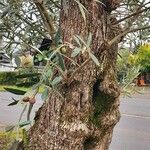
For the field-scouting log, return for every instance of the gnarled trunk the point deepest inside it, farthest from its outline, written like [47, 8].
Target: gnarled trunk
[82, 115]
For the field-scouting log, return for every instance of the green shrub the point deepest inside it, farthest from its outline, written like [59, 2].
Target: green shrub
[8, 78]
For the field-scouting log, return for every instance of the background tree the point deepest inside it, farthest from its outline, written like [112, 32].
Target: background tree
[143, 56]
[82, 104]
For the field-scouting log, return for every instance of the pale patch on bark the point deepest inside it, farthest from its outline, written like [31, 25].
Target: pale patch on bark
[76, 126]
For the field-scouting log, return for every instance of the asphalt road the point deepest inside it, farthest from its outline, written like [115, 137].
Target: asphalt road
[9, 115]
[133, 130]
[131, 133]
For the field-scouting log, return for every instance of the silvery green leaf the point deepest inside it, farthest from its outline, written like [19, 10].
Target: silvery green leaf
[94, 59]
[45, 94]
[75, 52]
[40, 57]
[61, 62]
[81, 40]
[82, 10]
[56, 80]
[15, 91]
[99, 1]
[89, 41]
[25, 123]
[2, 4]
[58, 37]
[77, 40]
[49, 73]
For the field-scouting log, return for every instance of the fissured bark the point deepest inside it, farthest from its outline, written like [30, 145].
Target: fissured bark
[82, 115]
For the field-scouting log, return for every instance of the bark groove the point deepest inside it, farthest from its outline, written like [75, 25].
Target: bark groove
[82, 116]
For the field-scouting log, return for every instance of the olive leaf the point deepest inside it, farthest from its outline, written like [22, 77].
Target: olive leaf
[94, 59]
[58, 37]
[82, 10]
[61, 62]
[81, 40]
[77, 41]
[25, 123]
[75, 52]
[89, 40]
[15, 91]
[45, 94]
[56, 80]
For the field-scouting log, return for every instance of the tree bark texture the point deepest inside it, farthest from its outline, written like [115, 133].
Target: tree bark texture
[82, 115]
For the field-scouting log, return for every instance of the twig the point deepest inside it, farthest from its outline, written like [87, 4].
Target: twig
[128, 29]
[131, 15]
[126, 32]
[58, 6]
[60, 70]
[24, 109]
[79, 68]
[31, 25]
[70, 59]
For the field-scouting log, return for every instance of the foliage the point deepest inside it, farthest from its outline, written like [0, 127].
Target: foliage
[127, 84]
[23, 78]
[128, 70]
[122, 61]
[135, 39]
[2, 88]
[143, 55]
[24, 23]
[7, 138]
[27, 78]
[8, 78]
[126, 60]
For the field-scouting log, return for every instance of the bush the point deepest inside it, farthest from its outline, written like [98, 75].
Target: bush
[8, 78]
[12, 78]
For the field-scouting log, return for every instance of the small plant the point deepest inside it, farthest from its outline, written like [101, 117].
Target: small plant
[7, 138]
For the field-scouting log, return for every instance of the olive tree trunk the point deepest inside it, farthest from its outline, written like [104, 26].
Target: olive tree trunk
[82, 115]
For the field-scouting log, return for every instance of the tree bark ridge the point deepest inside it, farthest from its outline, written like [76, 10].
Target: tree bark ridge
[82, 116]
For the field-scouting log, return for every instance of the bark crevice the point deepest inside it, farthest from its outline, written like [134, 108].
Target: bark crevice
[84, 119]
[90, 142]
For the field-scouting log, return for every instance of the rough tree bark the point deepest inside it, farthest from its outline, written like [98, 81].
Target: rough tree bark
[83, 114]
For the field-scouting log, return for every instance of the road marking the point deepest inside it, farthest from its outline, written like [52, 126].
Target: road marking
[136, 116]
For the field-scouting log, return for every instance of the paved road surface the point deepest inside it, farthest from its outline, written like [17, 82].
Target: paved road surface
[11, 114]
[133, 130]
[131, 133]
